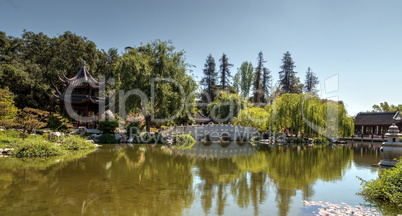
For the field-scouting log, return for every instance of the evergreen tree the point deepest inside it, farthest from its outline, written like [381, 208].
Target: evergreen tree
[311, 82]
[224, 73]
[209, 80]
[266, 84]
[257, 77]
[288, 81]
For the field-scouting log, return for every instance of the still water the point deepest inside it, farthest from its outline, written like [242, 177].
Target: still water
[208, 179]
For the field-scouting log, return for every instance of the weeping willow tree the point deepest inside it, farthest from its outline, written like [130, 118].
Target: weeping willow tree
[300, 113]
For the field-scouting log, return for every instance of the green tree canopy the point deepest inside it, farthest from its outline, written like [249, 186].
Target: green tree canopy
[156, 67]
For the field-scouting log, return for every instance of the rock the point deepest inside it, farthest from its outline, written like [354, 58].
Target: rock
[56, 134]
[82, 130]
[90, 141]
[107, 115]
[6, 150]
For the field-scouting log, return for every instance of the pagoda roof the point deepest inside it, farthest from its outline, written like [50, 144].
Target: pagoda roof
[82, 79]
[374, 119]
[80, 99]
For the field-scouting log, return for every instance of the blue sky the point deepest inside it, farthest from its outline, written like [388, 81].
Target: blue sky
[360, 42]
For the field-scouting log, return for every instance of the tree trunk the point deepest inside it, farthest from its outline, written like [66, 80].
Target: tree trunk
[148, 123]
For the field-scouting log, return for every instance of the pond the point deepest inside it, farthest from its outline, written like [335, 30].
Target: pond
[208, 179]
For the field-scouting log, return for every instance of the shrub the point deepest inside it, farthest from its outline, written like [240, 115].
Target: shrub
[36, 148]
[321, 141]
[255, 139]
[185, 140]
[386, 190]
[54, 123]
[135, 125]
[108, 126]
[107, 138]
[76, 143]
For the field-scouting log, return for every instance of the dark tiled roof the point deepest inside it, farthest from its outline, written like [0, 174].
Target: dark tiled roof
[373, 119]
[80, 99]
[199, 118]
[82, 79]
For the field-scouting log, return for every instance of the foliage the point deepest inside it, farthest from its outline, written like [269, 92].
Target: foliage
[209, 81]
[36, 148]
[306, 114]
[385, 107]
[226, 107]
[107, 138]
[30, 119]
[320, 140]
[287, 76]
[224, 72]
[57, 122]
[138, 68]
[8, 111]
[185, 140]
[257, 78]
[30, 64]
[246, 78]
[76, 143]
[311, 82]
[256, 117]
[386, 190]
[108, 126]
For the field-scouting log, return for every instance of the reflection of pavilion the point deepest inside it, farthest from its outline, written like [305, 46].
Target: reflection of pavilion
[215, 150]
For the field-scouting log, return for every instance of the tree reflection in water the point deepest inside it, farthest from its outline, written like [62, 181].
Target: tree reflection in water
[155, 180]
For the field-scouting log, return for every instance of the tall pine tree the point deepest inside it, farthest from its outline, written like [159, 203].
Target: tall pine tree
[311, 82]
[258, 78]
[288, 81]
[209, 81]
[224, 73]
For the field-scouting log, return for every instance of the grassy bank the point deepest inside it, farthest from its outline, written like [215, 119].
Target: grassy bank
[43, 145]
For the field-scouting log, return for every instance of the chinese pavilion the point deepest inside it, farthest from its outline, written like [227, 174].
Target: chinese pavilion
[84, 97]
[376, 123]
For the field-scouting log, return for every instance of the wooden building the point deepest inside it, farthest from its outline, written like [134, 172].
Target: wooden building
[376, 123]
[84, 97]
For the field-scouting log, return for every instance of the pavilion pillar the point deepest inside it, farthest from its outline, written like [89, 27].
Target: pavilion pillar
[362, 129]
[376, 130]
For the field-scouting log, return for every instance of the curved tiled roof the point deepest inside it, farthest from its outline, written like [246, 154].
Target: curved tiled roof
[82, 79]
[373, 119]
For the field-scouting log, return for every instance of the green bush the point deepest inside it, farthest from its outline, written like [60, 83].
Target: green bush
[76, 143]
[54, 123]
[36, 148]
[107, 138]
[386, 190]
[185, 141]
[108, 126]
[322, 140]
[135, 124]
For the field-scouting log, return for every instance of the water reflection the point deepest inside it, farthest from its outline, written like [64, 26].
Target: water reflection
[155, 180]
